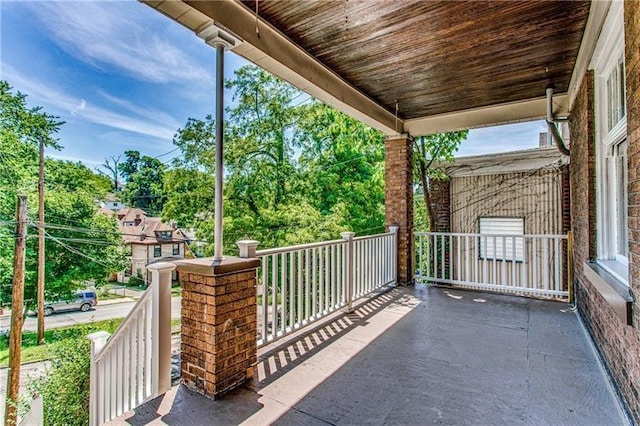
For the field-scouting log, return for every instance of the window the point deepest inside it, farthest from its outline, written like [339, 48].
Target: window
[505, 246]
[611, 146]
[176, 249]
[157, 250]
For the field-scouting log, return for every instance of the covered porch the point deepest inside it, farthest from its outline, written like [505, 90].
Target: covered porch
[412, 354]
[417, 355]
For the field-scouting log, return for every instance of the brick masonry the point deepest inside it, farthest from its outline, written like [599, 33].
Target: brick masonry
[618, 343]
[440, 194]
[219, 322]
[398, 169]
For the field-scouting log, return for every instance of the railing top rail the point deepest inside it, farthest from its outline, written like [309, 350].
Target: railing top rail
[288, 249]
[461, 234]
[373, 237]
[143, 299]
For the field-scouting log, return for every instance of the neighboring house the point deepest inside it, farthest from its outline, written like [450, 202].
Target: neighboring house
[517, 192]
[514, 193]
[150, 240]
[111, 203]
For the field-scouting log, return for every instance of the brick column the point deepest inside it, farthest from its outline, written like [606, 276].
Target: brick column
[398, 172]
[219, 322]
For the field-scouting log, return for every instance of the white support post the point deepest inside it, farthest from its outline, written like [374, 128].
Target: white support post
[348, 237]
[247, 248]
[98, 340]
[394, 230]
[161, 326]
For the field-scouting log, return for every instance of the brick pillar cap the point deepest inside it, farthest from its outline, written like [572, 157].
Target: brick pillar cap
[228, 265]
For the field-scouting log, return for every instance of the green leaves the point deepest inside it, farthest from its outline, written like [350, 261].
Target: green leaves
[430, 150]
[295, 170]
[81, 244]
[144, 187]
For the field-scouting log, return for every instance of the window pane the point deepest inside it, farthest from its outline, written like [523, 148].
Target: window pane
[504, 245]
[622, 94]
[622, 236]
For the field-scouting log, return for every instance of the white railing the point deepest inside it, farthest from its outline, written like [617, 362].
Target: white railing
[134, 364]
[301, 284]
[518, 264]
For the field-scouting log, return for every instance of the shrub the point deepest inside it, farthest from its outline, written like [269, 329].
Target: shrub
[65, 387]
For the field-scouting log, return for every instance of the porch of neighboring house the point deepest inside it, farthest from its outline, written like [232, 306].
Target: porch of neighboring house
[423, 354]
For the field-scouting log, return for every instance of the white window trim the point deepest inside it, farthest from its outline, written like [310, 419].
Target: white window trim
[609, 48]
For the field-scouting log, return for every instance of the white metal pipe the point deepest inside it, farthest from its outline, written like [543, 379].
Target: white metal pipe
[217, 257]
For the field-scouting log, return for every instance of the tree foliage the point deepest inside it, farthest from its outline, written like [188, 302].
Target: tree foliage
[81, 243]
[295, 170]
[144, 188]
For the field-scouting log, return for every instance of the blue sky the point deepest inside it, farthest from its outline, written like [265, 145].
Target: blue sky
[122, 76]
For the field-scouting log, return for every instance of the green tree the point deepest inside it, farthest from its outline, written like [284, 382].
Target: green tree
[81, 243]
[190, 194]
[342, 161]
[144, 188]
[295, 170]
[427, 150]
[262, 137]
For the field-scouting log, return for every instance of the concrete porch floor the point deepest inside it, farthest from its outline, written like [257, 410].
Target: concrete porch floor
[417, 356]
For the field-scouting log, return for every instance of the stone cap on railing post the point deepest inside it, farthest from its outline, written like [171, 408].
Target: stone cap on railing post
[347, 235]
[393, 229]
[247, 248]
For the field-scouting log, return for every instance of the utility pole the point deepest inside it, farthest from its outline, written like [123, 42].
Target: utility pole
[17, 314]
[41, 245]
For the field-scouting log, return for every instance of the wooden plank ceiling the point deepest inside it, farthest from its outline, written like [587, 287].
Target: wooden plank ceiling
[436, 57]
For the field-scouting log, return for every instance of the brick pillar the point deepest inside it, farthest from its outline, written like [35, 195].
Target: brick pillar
[219, 322]
[398, 172]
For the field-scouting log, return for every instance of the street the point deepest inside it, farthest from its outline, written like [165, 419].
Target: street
[99, 313]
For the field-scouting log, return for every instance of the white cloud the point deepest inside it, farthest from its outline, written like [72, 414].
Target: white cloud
[153, 115]
[66, 105]
[102, 33]
[85, 161]
[80, 107]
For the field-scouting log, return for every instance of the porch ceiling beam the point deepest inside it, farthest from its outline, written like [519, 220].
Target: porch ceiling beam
[275, 53]
[506, 113]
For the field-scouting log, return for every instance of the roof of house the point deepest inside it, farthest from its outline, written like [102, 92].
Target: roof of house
[505, 162]
[131, 214]
[148, 232]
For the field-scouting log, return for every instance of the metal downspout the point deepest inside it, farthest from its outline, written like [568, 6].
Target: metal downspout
[551, 124]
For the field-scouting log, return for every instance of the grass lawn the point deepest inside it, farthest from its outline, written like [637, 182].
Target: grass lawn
[32, 352]
[269, 299]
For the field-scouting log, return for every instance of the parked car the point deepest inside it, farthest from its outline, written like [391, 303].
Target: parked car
[84, 300]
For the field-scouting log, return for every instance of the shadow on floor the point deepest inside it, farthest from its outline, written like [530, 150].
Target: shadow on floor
[438, 356]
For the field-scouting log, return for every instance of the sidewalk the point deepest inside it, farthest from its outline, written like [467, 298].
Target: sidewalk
[125, 291]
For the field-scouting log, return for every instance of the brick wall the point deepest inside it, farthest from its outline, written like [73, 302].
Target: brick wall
[398, 171]
[618, 343]
[439, 191]
[219, 322]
